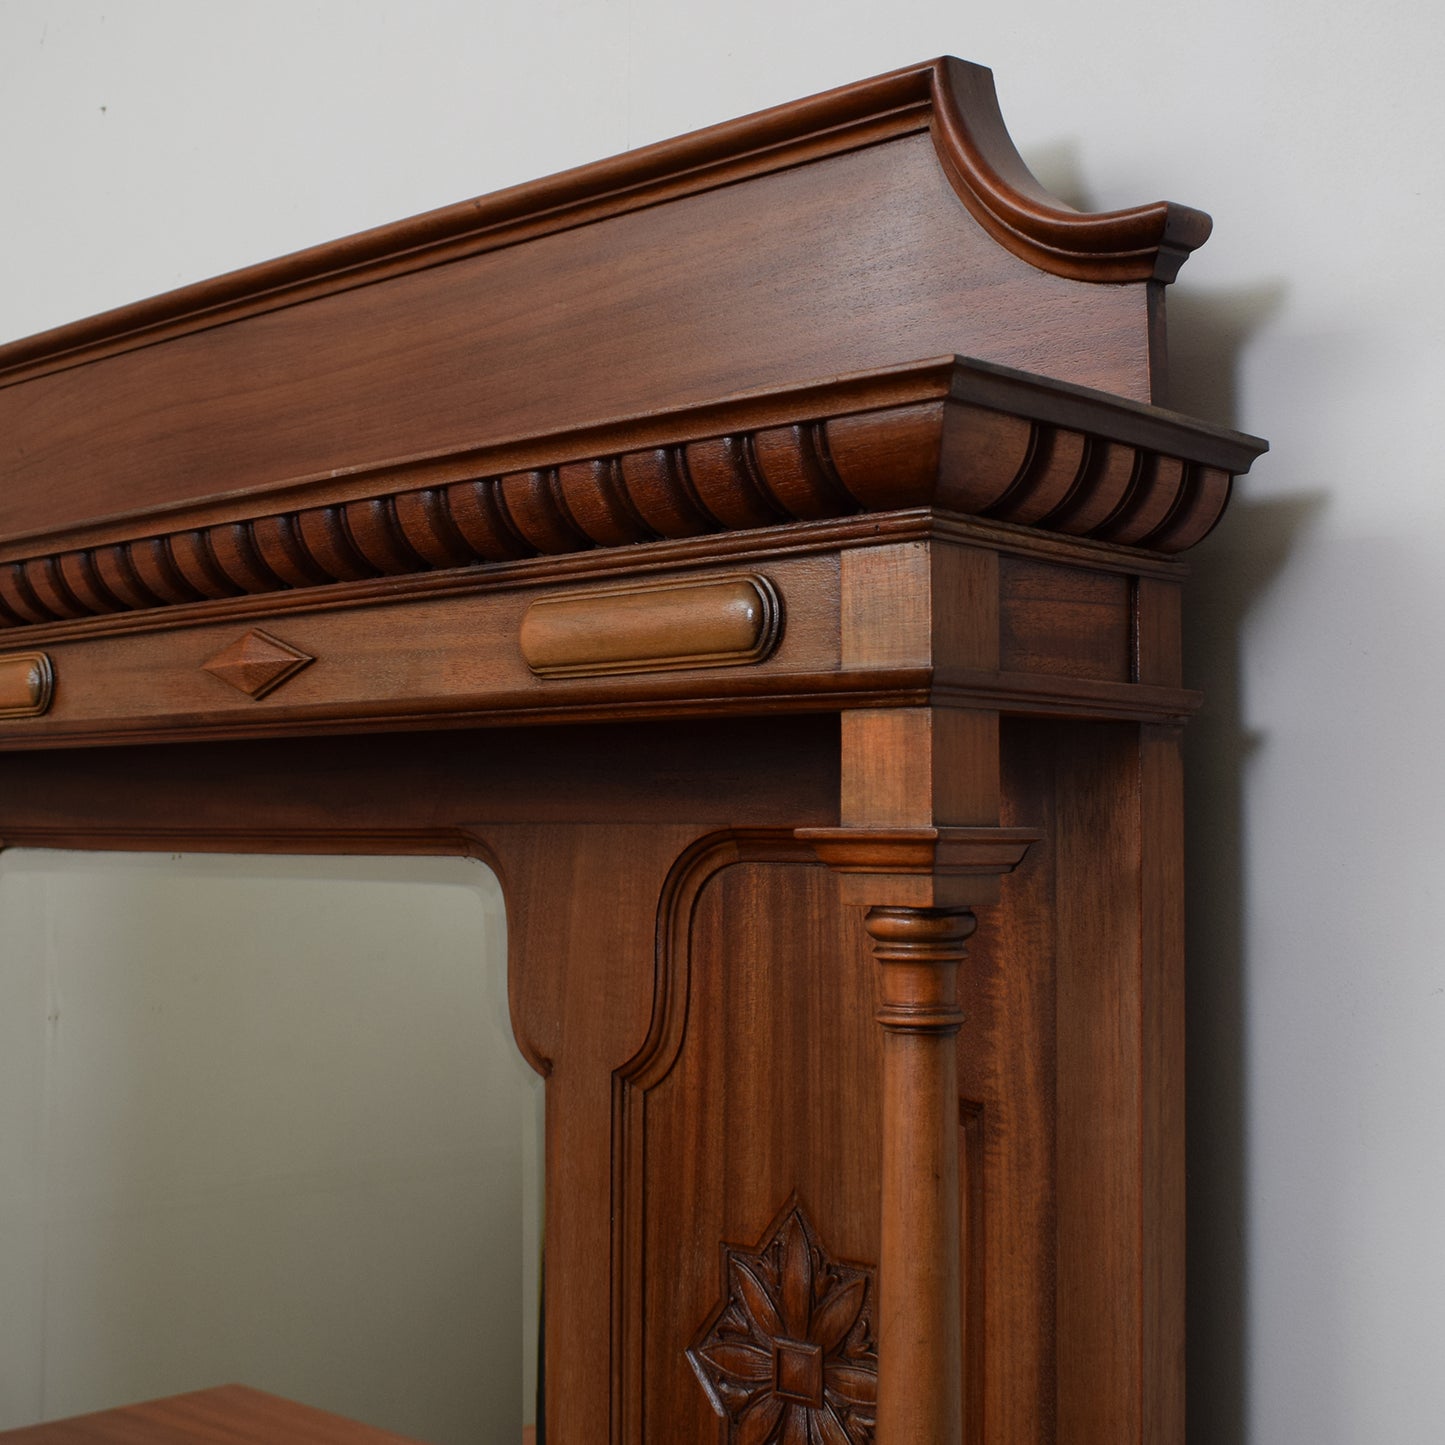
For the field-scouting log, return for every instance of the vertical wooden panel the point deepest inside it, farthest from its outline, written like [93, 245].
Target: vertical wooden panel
[1157, 624]
[1007, 1069]
[1163, 1167]
[581, 918]
[919, 767]
[774, 1091]
[1100, 1099]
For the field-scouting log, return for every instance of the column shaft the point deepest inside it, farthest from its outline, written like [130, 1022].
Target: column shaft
[920, 1399]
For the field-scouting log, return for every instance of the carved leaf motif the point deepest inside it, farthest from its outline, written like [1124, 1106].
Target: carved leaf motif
[828, 1429]
[759, 1423]
[797, 1272]
[853, 1385]
[752, 1294]
[741, 1362]
[837, 1315]
[788, 1356]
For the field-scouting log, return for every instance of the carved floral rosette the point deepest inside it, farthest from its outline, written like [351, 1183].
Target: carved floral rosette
[789, 1357]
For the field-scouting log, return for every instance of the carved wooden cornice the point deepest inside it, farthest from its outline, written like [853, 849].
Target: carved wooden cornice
[952, 99]
[964, 437]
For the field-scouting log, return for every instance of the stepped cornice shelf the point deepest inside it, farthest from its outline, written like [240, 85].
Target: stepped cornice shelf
[963, 437]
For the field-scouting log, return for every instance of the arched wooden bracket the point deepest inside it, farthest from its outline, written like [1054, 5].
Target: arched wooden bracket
[27, 683]
[789, 1354]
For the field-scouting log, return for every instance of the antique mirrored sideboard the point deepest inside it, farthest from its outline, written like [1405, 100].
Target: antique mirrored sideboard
[760, 549]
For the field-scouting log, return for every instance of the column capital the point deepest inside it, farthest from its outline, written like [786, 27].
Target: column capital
[920, 950]
[920, 868]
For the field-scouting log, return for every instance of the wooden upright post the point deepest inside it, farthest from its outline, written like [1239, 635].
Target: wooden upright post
[917, 884]
[920, 1386]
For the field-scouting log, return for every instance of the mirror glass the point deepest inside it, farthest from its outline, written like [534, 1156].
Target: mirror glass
[262, 1120]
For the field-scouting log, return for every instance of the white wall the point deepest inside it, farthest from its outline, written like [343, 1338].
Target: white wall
[143, 145]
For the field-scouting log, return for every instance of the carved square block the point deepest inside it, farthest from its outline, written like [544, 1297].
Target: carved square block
[798, 1372]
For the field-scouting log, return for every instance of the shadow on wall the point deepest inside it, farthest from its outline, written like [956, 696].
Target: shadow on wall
[1230, 572]
[1228, 576]
[1058, 169]
[1208, 331]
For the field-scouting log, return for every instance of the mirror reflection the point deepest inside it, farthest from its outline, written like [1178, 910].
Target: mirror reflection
[263, 1120]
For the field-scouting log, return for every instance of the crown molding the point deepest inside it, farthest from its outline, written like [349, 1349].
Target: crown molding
[954, 100]
[966, 438]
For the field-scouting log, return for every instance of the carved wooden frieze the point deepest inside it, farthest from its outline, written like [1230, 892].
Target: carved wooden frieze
[789, 1355]
[963, 437]
[666, 277]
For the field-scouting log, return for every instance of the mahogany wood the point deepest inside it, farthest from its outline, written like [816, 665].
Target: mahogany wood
[27, 681]
[612, 531]
[288, 369]
[921, 1323]
[654, 628]
[226, 1415]
[975, 440]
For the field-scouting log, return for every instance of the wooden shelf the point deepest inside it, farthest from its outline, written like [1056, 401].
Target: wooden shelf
[226, 1415]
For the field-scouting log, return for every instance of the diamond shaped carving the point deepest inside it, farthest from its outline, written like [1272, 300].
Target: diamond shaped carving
[257, 663]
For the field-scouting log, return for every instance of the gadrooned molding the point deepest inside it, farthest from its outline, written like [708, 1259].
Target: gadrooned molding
[967, 438]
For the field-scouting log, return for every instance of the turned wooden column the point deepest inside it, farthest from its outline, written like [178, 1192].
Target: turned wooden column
[919, 886]
[920, 1385]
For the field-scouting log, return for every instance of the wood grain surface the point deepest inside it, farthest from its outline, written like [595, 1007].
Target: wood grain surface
[612, 531]
[226, 1415]
[677, 275]
[970, 439]
[27, 683]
